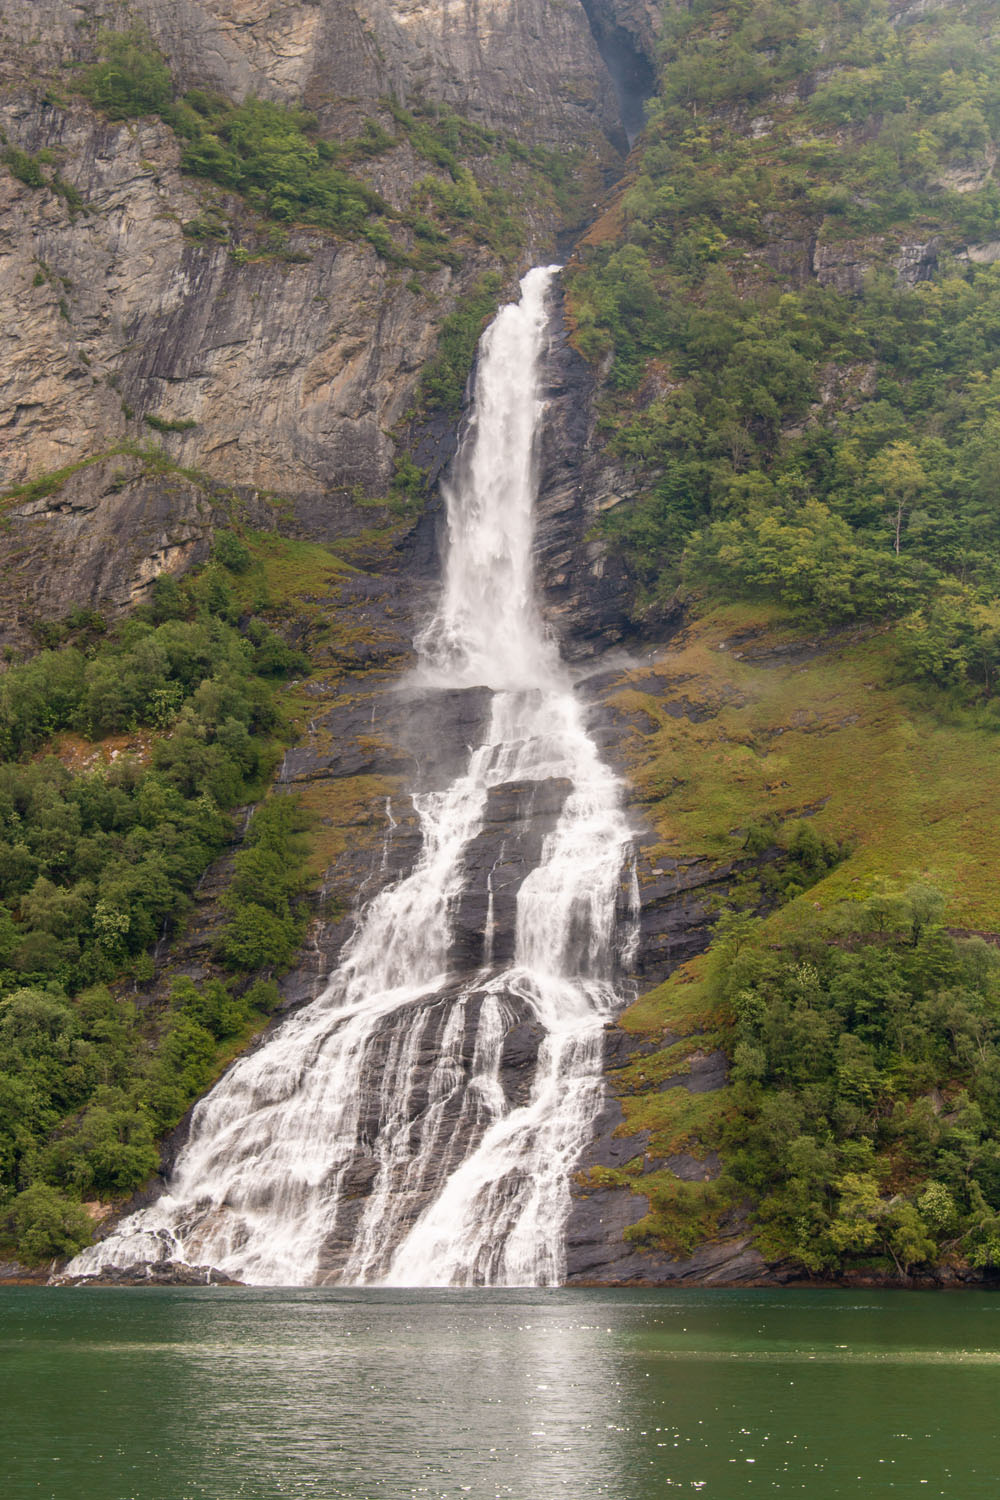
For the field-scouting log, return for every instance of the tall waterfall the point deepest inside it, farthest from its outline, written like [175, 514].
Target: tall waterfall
[372, 1138]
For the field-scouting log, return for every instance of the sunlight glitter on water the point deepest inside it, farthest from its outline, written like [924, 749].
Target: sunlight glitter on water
[214, 1394]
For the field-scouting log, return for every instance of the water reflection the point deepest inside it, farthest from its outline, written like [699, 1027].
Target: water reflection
[387, 1396]
[222, 1395]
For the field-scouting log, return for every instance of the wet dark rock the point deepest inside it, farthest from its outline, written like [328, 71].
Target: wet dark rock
[694, 1168]
[600, 1255]
[597, 1251]
[441, 729]
[707, 1072]
[457, 1130]
[585, 588]
[12, 1271]
[609, 1148]
[173, 1273]
[625, 32]
[518, 817]
[678, 911]
[519, 1059]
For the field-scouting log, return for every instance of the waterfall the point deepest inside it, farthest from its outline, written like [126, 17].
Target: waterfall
[374, 1138]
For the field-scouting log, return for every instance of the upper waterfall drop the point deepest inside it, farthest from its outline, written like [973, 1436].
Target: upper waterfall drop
[487, 629]
[375, 1138]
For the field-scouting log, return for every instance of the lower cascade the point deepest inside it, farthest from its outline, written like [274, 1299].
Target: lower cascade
[373, 1138]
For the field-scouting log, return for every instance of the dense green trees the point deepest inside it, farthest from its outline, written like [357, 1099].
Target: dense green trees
[834, 449]
[98, 865]
[264, 930]
[84, 1096]
[866, 1103]
[131, 78]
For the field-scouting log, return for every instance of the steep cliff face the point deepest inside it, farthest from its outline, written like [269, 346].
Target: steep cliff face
[520, 65]
[288, 372]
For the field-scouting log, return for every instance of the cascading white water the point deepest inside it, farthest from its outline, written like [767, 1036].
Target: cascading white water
[393, 1075]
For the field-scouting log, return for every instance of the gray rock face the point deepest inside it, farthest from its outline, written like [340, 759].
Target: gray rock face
[598, 1249]
[917, 263]
[584, 587]
[844, 266]
[600, 1255]
[520, 65]
[626, 33]
[290, 376]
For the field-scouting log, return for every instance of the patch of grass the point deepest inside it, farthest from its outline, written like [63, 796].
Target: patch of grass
[289, 575]
[820, 725]
[154, 461]
[169, 424]
[682, 1215]
[671, 1062]
[677, 1119]
[344, 812]
[47, 484]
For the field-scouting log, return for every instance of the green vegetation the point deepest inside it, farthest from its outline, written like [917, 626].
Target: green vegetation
[827, 440]
[869, 811]
[270, 154]
[803, 376]
[264, 930]
[442, 384]
[167, 424]
[287, 172]
[861, 1124]
[151, 459]
[28, 169]
[273, 156]
[131, 78]
[867, 1087]
[96, 865]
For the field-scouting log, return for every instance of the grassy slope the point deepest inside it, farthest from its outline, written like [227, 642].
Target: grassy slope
[822, 727]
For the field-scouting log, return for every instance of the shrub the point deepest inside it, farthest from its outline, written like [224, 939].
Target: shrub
[47, 1224]
[24, 167]
[131, 78]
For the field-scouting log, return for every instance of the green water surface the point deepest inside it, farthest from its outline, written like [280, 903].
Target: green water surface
[181, 1394]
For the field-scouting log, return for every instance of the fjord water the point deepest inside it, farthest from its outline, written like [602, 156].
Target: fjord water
[392, 1076]
[336, 1394]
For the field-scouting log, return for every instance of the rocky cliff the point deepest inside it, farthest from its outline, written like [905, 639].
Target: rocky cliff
[529, 67]
[144, 307]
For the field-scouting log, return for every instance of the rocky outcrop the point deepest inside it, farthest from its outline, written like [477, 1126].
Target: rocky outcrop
[279, 374]
[585, 587]
[529, 67]
[599, 1248]
[288, 372]
[626, 33]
